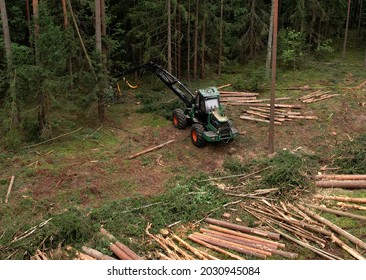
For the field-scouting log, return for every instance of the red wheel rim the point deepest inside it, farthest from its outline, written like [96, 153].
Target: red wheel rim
[194, 136]
[175, 121]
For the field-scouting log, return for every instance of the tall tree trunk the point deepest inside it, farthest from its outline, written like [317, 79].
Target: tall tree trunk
[7, 42]
[35, 17]
[195, 50]
[346, 31]
[98, 45]
[203, 41]
[189, 42]
[66, 25]
[98, 30]
[104, 35]
[269, 46]
[360, 19]
[273, 82]
[27, 11]
[168, 4]
[179, 42]
[221, 37]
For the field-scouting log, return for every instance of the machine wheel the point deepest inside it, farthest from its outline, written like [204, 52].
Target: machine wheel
[197, 135]
[179, 119]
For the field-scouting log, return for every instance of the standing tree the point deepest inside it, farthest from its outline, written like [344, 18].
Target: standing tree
[346, 30]
[4, 20]
[169, 42]
[220, 37]
[195, 50]
[189, 41]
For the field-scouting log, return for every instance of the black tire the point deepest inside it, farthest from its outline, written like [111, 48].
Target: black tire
[197, 135]
[179, 119]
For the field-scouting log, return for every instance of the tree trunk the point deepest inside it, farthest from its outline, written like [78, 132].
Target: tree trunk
[273, 82]
[98, 30]
[189, 42]
[4, 20]
[221, 37]
[27, 10]
[203, 41]
[269, 46]
[195, 58]
[35, 16]
[346, 30]
[179, 42]
[104, 35]
[360, 19]
[168, 4]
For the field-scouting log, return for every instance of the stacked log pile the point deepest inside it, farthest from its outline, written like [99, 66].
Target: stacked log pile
[221, 240]
[348, 181]
[283, 113]
[304, 227]
[316, 96]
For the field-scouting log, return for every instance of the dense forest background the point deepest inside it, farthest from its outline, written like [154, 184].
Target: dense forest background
[58, 59]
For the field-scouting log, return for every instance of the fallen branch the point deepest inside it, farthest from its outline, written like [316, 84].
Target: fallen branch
[151, 149]
[9, 188]
[52, 139]
[195, 251]
[334, 227]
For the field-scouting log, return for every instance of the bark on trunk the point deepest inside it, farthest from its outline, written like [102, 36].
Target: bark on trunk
[7, 42]
[195, 58]
[168, 3]
[189, 42]
[221, 37]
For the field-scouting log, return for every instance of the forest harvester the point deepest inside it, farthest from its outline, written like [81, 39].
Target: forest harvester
[203, 110]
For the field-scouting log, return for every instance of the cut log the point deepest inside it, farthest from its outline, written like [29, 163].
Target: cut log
[341, 177]
[151, 149]
[347, 248]
[323, 97]
[119, 253]
[310, 95]
[263, 233]
[232, 246]
[341, 198]
[347, 184]
[334, 227]
[302, 117]
[338, 212]
[248, 236]
[266, 116]
[215, 248]
[254, 245]
[248, 241]
[96, 254]
[351, 206]
[242, 93]
[224, 86]
[9, 188]
[258, 120]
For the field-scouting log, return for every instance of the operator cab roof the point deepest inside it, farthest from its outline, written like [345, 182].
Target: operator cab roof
[210, 92]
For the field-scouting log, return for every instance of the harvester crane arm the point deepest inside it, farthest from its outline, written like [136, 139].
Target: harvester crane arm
[169, 80]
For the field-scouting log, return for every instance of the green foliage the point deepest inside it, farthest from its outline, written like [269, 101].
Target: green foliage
[324, 50]
[160, 103]
[290, 172]
[351, 156]
[291, 46]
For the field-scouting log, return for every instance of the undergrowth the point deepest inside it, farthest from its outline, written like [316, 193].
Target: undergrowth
[126, 219]
[350, 156]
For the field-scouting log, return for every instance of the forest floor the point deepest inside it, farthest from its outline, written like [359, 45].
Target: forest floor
[85, 179]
